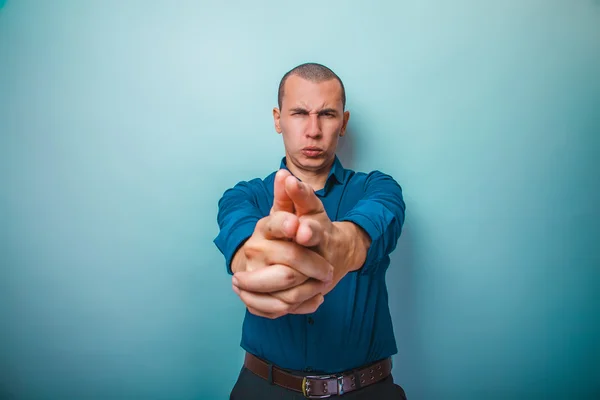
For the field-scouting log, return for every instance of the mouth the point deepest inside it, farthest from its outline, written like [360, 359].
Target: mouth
[312, 151]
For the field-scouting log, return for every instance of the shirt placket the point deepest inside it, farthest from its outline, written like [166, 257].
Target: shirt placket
[311, 322]
[312, 340]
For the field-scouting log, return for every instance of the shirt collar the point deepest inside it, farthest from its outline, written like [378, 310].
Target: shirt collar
[337, 169]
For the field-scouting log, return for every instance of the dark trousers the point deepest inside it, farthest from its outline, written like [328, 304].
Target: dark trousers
[252, 387]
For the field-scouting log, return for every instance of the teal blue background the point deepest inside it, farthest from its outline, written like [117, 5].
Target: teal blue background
[122, 123]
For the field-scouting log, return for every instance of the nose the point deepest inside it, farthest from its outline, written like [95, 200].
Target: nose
[313, 130]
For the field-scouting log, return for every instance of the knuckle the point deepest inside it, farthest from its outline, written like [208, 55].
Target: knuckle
[263, 225]
[251, 252]
[255, 248]
[251, 245]
[289, 276]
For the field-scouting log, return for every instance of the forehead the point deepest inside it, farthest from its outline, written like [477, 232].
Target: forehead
[298, 91]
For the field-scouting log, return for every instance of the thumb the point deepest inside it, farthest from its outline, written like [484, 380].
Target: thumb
[281, 200]
[303, 196]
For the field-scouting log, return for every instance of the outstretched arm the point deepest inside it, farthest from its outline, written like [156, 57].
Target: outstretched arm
[380, 213]
[237, 217]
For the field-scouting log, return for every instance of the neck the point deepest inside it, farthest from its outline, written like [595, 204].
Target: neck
[314, 178]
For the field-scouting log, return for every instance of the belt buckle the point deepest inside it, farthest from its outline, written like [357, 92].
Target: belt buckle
[306, 385]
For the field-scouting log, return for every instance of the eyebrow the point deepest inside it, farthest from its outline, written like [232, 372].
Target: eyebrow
[321, 112]
[299, 109]
[328, 111]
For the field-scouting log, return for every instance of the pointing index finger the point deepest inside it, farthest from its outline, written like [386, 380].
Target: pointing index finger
[304, 198]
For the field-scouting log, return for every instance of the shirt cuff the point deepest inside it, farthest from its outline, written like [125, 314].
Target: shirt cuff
[231, 238]
[375, 220]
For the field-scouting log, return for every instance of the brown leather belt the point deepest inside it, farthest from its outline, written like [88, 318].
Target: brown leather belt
[320, 386]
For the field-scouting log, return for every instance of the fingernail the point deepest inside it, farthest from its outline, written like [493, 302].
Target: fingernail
[235, 281]
[322, 300]
[236, 289]
[286, 224]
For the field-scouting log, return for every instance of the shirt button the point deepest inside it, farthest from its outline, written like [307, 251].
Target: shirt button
[311, 321]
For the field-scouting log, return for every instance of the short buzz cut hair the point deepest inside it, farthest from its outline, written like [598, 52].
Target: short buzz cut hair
[312, 72]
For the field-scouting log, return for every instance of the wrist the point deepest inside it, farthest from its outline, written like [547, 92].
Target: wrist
[238, 262]
[352, 243]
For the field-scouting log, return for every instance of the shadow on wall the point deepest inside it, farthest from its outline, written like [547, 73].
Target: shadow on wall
[408, 363]
[5, 392]
[409, 370]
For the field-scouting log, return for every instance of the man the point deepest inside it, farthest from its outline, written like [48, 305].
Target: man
[308, 248]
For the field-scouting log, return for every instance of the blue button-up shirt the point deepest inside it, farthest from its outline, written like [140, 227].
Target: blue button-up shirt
[353, 326]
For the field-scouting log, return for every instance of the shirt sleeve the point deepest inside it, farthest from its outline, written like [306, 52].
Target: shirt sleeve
[380, 212]
[237, 217]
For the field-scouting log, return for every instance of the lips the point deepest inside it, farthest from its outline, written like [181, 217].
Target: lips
[312, 151]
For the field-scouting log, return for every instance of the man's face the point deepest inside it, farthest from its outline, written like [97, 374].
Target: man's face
[311, 120]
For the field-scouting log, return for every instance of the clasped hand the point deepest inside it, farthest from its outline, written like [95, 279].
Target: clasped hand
[287, 265]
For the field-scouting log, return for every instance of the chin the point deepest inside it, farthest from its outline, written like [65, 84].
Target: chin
[312, 162]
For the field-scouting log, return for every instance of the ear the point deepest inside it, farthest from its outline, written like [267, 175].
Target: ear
[276, 119]
[345, 123]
